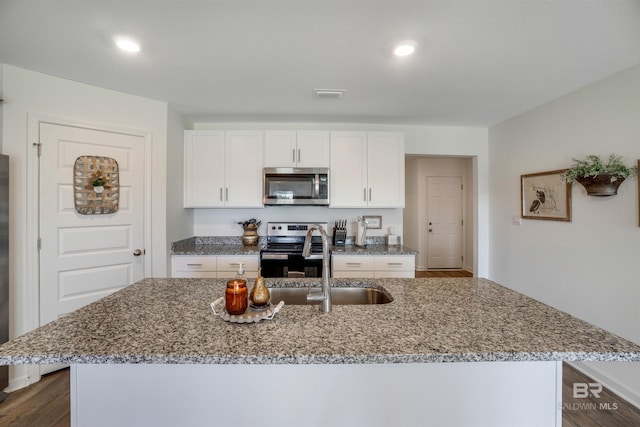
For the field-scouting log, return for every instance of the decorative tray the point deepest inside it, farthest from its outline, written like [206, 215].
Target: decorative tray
[249, 316]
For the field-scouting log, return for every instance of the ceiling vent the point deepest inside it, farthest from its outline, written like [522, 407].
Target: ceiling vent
[329, 93]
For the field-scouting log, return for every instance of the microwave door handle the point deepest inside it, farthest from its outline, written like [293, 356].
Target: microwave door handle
[317, 186]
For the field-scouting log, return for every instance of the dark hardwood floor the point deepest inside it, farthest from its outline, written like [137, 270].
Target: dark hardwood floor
[47, 404]
[444, 273]
[43, 404]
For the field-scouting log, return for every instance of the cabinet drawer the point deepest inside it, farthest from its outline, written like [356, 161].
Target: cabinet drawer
[227, 263]
[394, 274]
[353, 274]
[395, 263]
[194, 263]
[195, 274]
[352, 263]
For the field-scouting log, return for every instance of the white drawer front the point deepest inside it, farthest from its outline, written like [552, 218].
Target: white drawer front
[394, 274]
[352, 263]
[395, 263]
[353, 275]
[195, 274]
[228, 263]
[193, 263]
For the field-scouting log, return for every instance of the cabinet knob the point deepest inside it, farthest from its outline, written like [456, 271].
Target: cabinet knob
[137, 252]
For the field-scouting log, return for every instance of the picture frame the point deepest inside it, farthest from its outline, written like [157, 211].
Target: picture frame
[546, 196]
[373, 221]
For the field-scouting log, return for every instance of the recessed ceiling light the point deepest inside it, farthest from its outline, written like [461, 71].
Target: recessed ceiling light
[405, 48]
[127, 44]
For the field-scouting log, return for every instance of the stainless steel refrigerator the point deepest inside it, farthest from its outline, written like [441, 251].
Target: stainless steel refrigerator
[4, 265]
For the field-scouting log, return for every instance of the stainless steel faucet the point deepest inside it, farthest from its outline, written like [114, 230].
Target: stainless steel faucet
[325, 295]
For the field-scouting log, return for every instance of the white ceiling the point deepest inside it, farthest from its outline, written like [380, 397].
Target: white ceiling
[478, 62]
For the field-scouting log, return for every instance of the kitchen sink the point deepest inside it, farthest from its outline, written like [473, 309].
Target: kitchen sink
[339, 296]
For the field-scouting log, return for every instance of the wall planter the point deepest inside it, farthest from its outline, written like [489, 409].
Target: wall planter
[600, 179]
[600, 185]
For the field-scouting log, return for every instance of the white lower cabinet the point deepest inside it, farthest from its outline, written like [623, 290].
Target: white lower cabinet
[373, 266]
[213, 266]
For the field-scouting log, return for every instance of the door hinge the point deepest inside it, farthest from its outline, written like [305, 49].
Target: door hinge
[38, 145]
[462, 258]
[461, 186]
[462, 222]
[39, 243]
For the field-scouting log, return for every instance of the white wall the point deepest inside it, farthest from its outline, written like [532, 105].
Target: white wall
[28, 93]
[587, 267]
[179, 220]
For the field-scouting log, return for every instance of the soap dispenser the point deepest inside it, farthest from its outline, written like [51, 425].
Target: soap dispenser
[259, 295]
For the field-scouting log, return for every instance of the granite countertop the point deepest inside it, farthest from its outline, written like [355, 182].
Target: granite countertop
[231, 245]
[214, 246]
[430, 320]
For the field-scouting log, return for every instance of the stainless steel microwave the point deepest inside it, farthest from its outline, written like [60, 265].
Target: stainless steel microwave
[296, 186]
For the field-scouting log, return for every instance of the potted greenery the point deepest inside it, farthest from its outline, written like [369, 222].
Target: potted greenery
[600, 178]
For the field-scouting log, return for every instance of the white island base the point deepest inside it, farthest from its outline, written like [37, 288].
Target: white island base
[324, 395]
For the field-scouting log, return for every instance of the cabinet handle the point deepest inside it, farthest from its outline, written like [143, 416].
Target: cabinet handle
[298, 155]
[194, 265]
[354, 263]
[394, 263]
[369, 193]
[294, 154]
[226, 194]
[365, 194]
[221, 194]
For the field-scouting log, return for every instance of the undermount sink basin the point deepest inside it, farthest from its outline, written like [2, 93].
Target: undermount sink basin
[339, 296]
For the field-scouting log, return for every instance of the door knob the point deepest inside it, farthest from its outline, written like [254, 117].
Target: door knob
[430, 230]
[137, 252]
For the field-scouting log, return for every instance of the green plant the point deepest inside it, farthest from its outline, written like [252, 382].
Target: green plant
[593, 166]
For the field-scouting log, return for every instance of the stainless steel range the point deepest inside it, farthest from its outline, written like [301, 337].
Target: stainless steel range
[282, 256]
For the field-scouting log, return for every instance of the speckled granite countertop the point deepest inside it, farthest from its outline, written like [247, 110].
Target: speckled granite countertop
[214, 246]
[373, 249]
[430, 320]
[210, 245]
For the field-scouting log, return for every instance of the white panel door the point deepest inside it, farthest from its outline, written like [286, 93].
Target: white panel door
[86, 257]
[444, 222]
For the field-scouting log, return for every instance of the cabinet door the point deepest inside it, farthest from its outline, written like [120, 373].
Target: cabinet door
[313, 149]
[203, 169]
[385, 159]
[243, 169]
[280, 149]
[348, 170]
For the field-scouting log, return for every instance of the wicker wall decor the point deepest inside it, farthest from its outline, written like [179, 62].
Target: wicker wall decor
[96, 185]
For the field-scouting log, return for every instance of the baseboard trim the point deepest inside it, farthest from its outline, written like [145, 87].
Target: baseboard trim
[628, 395]
[21, 376]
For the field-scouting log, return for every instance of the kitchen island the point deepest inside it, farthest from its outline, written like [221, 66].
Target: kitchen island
[445, 352]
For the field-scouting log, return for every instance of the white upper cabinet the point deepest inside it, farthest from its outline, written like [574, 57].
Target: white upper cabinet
[385, 161]
[223, 169]
[290, 149]
[367, 169]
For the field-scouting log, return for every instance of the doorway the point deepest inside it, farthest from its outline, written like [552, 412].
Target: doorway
[84, 257]
[417, 210]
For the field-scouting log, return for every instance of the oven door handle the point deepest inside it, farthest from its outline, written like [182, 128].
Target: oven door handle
[275, 256]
